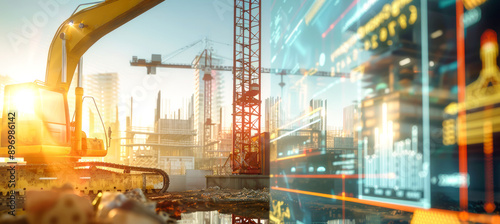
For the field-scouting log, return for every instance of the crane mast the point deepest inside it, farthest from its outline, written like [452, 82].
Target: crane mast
[207, 100]
[247, 87]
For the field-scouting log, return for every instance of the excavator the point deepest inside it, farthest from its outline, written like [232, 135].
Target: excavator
[38, 126]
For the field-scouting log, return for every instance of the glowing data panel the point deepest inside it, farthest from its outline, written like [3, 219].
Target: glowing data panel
[410, 113]
[393, 169]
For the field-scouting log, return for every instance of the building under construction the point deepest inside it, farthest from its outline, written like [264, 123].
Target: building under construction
[170, 145]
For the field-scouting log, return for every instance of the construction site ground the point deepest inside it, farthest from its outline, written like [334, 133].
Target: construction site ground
[248, 203]
[244, 202]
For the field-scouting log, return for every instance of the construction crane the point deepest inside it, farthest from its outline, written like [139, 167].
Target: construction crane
[247, 70]
[246, 157]
[157, 61]
[207, 100]
[151, 66]
[36, 122]
[203, 61]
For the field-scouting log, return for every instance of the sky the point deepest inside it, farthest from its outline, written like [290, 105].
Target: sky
[28, 26]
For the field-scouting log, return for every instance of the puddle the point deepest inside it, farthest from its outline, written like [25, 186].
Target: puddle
[243, 203]
[214, 217]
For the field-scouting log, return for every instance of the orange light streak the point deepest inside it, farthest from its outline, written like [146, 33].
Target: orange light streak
[489, 206]
[338, 176]
[291, 157]
[297, 156]
[343, 196]
[462, 128]
[349, 199]
[473, 217]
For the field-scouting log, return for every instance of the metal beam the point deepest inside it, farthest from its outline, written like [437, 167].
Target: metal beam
[303, 72]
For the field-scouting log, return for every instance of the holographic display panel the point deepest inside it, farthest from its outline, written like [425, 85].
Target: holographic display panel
[402, 94]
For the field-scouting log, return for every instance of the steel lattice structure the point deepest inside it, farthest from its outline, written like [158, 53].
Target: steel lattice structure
[246, 87]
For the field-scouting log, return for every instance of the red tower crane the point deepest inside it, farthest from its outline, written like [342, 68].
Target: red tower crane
[246, 87]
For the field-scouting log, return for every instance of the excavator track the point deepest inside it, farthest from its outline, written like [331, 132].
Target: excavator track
[86, 177]
[128, 169]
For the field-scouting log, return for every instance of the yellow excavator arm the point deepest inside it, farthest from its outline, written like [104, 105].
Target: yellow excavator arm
[42, 130]
[83, 29]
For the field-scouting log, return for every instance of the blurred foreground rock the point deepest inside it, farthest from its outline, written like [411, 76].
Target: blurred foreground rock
[64, 206]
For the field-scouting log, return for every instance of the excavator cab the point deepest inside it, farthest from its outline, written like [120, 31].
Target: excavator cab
[36, 125]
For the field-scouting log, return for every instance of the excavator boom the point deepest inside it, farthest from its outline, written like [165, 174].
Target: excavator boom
[83, 29]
